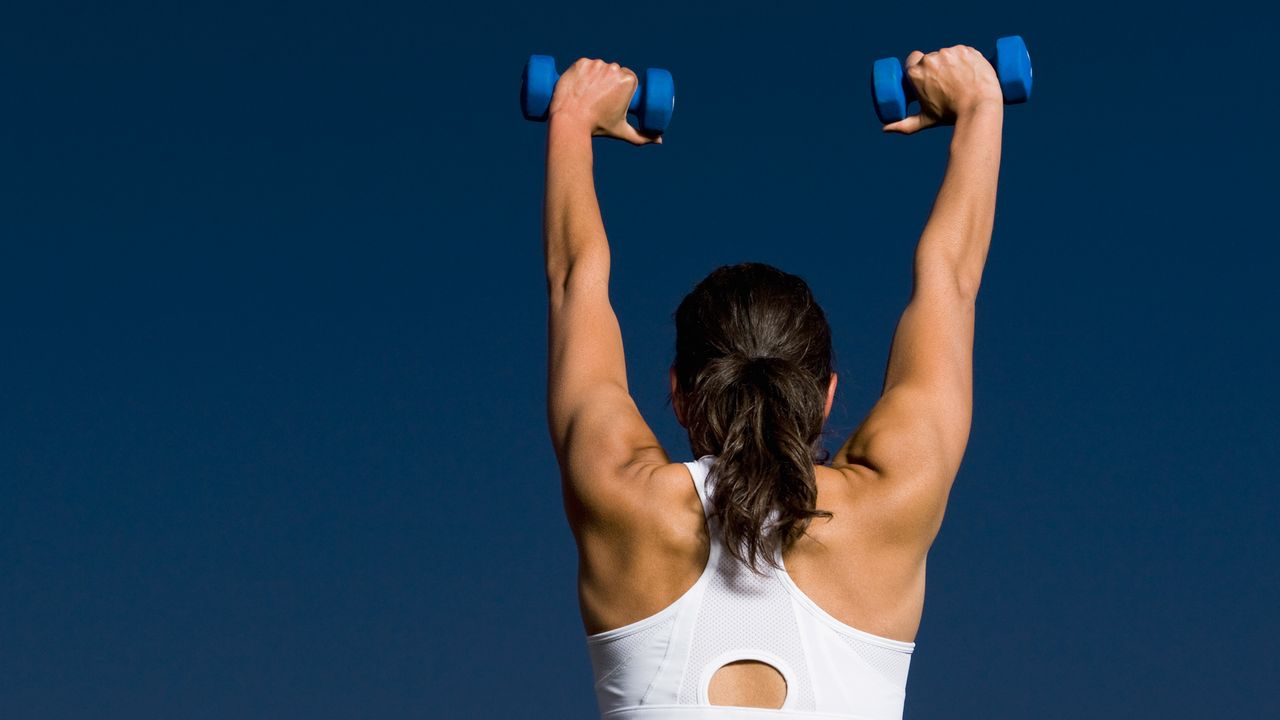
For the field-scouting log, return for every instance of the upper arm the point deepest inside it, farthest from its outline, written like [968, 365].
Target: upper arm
[915, 436]
[596, 428]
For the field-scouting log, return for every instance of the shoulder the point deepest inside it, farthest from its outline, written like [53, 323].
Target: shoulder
[642, 548]
[649, 497]
[893, 507]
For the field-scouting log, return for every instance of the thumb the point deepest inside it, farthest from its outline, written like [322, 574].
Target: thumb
[909, 124]
[628, 132]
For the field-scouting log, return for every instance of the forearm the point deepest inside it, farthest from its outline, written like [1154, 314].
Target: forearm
[953, 247]
[574, 241]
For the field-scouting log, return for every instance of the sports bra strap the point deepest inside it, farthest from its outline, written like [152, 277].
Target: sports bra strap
[700, 469]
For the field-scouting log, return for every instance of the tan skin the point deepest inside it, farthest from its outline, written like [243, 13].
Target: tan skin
[634, 513]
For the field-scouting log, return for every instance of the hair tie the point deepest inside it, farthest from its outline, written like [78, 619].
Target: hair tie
[757, 365]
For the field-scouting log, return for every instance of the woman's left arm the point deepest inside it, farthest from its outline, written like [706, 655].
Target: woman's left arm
[600, 439]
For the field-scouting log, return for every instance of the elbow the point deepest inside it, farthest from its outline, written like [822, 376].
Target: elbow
[947, 278]
[557, 278]
[955, 266]
[967, 285]
[583, 273]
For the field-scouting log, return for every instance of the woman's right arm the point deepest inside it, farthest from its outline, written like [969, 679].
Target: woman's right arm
[912, 442]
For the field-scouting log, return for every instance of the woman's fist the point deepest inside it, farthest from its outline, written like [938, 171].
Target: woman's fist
[597, 94]
[949, 83]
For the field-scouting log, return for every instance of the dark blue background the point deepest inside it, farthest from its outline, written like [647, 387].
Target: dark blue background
[272, 435]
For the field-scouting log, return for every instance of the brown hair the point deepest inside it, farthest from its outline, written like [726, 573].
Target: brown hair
[753, 364]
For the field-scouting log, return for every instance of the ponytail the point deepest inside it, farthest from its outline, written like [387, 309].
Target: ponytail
[753, 363]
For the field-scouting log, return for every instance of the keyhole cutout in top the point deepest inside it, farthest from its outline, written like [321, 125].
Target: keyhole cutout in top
[747, 683]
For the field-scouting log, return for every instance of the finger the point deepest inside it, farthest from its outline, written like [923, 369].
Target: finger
[909, 124]
[914, 58]
[651, 137]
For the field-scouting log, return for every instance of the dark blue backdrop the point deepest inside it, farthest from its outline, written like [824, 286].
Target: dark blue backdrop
[272, 436]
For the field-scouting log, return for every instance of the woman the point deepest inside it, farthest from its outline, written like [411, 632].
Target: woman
[755, 576]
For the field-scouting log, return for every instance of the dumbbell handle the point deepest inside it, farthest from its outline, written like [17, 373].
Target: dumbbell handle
[909, 88]
[634, 106]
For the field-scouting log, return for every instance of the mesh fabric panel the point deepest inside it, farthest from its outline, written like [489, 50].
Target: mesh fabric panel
[743, 611]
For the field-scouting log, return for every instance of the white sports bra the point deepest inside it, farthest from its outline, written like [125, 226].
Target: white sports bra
[659, 668]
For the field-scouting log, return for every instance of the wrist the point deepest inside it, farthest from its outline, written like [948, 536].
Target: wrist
[568, 124]
[981, 109]
[982, 123]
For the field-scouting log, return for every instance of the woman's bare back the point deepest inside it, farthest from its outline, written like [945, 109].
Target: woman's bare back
[857, 566]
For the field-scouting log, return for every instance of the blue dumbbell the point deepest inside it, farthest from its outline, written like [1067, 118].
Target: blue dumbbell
[892, 91]
[652, 103]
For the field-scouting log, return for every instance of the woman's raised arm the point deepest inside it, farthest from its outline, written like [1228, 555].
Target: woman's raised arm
[598, 433]
[915, 436]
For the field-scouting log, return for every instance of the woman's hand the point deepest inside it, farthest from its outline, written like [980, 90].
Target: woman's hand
[950, 83]
[595, 95]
